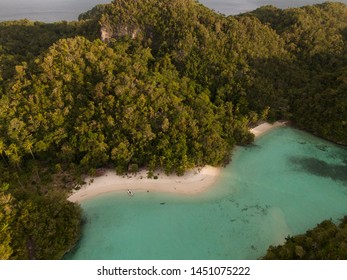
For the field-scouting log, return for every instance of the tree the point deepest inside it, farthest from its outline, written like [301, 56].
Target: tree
[37, 227]
[7, 215]
[326, 241]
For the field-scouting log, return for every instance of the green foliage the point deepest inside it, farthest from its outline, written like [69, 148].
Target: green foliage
[326, 241]
[158, 84]
[93, 103]
[39, 227]
[315, 36]
[23, 40]
[94, 13]
[7, 217]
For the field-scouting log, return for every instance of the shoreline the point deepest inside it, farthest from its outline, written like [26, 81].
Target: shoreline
[193, 182]
[265, 127]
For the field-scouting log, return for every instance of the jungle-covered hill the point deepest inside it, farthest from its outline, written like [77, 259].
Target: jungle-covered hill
[164, 84]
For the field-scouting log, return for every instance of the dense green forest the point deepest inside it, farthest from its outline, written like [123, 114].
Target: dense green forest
[160, 84]
[327, 241]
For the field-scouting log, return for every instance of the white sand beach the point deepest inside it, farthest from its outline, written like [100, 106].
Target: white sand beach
[193, 182]
[266, 127]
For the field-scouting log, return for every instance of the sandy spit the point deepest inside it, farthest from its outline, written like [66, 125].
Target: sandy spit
[193, 182]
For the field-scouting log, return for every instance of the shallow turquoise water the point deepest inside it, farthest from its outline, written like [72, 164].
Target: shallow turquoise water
[284, 184]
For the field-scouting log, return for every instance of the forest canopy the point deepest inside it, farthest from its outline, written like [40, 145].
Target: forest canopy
[159, 84]
[327, 241]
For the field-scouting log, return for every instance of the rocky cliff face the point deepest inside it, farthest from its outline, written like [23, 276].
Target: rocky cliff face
[108, 32]
[105, 34]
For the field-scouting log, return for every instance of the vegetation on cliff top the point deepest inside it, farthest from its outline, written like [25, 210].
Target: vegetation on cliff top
[171, 85]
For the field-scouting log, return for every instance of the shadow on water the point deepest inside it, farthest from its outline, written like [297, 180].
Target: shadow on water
[251, 146]
[321, 168]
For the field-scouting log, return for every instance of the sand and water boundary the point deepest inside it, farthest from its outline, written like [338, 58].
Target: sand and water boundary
[192, 182]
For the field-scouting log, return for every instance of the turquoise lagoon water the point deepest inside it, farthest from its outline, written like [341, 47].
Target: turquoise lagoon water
[284, 184]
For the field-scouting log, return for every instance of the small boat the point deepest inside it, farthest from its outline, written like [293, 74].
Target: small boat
[130, 193]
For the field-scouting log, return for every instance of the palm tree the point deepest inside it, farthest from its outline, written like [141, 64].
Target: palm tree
[28, 145]
[16, 160]
[13, 156]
